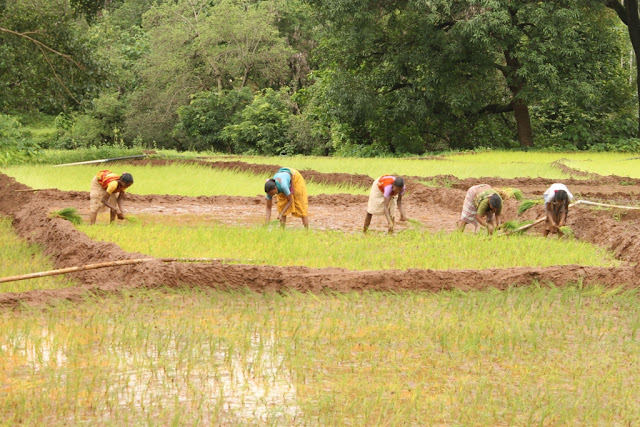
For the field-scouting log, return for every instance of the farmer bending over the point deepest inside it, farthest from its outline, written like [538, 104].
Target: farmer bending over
[107, 189]
[382, 200]
[481, 201]
[291, 191]
[556, 206]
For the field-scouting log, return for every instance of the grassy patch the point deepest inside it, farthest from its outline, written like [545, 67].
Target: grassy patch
[18, 257]
[179, 179]
[531, 355]
[314, 248]
[608, 164]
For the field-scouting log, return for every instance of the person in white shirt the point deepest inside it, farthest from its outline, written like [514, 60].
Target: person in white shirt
[556, 203]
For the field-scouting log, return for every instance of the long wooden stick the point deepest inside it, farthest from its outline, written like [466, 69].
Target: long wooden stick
[585, 202]
[107, 264]
[34, 189]
[140, 156]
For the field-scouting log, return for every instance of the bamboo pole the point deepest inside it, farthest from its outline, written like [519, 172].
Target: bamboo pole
[107, 264]
[140, 156]
[585, 202]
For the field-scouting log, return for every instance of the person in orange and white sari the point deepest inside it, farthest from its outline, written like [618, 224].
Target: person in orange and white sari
[107, 189]
[382, 200]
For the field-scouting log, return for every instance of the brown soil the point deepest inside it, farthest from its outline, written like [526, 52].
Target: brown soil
[435, 208]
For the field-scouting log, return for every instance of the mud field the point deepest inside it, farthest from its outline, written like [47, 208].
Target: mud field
[436, 208]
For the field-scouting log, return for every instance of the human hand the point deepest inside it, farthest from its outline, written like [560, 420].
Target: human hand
[390, 229]
[403, 218]
[120, 215]
[490, 228]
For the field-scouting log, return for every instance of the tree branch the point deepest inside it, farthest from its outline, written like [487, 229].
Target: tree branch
[41, 45]
[619, 9]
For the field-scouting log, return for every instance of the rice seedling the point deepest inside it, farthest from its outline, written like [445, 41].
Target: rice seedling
[528, 204]
[18, 257]
[621, 164]
[413, 248]
[70, 214]
[510, 193]
[567, 231]
[188, 356]
[512, 225]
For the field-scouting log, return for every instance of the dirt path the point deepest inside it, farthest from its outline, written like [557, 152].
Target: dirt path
[435, 208]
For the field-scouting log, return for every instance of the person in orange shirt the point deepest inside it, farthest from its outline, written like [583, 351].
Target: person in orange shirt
[382, 200]
[107, 189]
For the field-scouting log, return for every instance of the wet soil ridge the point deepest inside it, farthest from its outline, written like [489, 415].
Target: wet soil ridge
[260, 169]
[68, 247]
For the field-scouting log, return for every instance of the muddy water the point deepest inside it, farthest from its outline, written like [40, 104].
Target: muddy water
[254, 386]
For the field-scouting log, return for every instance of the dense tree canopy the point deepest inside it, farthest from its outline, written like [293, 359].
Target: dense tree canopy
[350, 77]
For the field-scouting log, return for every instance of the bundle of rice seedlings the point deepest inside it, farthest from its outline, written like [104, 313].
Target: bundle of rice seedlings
[567, 231]
[132, 219]
[70, 214]
[510, 193]
[528, 204]
[513, 225]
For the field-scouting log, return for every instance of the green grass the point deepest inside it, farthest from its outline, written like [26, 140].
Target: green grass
[313, 248]
[620, 164]
[18, 258]
[179, 179]
[525, 356]
[505, 164]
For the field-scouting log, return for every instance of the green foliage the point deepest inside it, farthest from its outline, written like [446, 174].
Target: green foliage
[16, 146]
[227, 45]
[202, 121]
[46, 81]
[409, 76]
[262, 126]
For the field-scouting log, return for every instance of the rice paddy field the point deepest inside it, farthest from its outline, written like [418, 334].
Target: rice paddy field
[326, 326]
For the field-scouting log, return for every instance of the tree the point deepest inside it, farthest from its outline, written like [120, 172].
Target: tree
[196, 47]
[629, 15]
[409, 67]
[45, 60]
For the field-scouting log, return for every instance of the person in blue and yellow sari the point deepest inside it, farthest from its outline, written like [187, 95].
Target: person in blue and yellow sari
[290, 190]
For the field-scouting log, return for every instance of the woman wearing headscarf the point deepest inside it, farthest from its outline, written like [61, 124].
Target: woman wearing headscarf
[382, 200]
[483, 206]
[107, 189]
[556, 206]
[290, 190]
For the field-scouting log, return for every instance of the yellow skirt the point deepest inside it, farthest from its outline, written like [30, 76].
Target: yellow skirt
[300, 206]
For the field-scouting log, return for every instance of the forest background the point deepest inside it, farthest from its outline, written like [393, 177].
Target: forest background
[332, 77]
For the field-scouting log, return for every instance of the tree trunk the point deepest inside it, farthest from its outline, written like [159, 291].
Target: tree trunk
[633, 25]
[520, 108]
[523, 123]
[628, 14]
